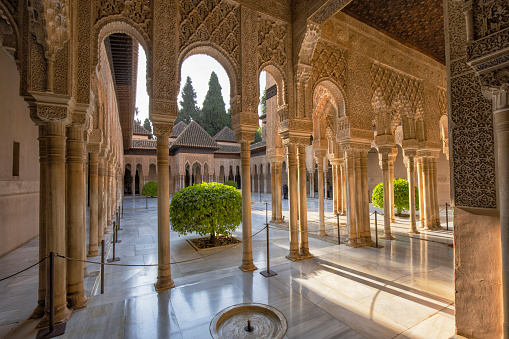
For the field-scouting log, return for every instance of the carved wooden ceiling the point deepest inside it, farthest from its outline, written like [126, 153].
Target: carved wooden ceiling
[418, 24]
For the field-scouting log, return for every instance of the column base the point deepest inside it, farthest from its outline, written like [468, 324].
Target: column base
[368, 240]
[62, 315]
[163, 284]
[77, 300]
[353, 243]
[437, 227]
[413, 231]
[93, 253]
[388, 236]
[322, 233]
[247, 266]
[294, 256]
[39, 310]
[305, 254]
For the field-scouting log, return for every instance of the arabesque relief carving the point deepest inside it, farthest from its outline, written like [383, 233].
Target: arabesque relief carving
[271, 42]
[329, 62]
[137, 10]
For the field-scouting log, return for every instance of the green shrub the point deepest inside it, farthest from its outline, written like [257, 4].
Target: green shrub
[150, 189]
[231, 183]
[206, 208]
[401, 198]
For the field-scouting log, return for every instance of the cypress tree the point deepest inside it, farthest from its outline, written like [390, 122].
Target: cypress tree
[189, 109]
[147, 126]
[213, 113]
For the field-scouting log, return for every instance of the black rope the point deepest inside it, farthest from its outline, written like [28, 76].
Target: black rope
[29, 267]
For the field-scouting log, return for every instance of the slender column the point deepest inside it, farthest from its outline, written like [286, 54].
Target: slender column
[100, 201]
[501, 124]
[392, 158]
[303, 210]
[409, 162]
[337, 188]
[247, 231]
[84, 177]
[365, 197]
[133, 173]
[294, 202]
[421, 195]
[426, 193]
[164, 280]
[55, 219]
[350, 202]
[343, 189]
[321, 202]
[359, 215]
[105, 195]
[311, 185]
[74, 213]
[108, 191]
[94, 206]
[334, 191]
[39, 310]
[279, 193]
[435, 192]
[384, 163]
[273, 193]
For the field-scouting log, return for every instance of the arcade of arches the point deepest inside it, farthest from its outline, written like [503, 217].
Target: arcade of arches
[353, 99]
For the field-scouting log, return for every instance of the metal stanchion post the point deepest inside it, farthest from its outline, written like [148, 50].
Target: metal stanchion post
[122, 207]
[446, 217]
[115, 230]
[376, 231]
[58, 329]
[115, 240]
[118, 222]
[102, 266]
[267, 273]
[339, 233]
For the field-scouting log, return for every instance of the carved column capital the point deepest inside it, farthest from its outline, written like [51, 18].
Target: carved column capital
[162, 130]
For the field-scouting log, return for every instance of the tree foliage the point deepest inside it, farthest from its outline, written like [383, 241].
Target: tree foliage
[231, 183]
[263, 102]
[189, 109]
[149, 189]
[213, 115]
[258, 135]
[147, 126]
[206, 208]
[401, 197]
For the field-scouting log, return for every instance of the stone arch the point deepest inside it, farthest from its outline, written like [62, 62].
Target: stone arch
[214, 51]
[444, 134]
[279, 75]
[152, 172]
[120, 24]
[10, 28]
[337, 92]
[329, 106]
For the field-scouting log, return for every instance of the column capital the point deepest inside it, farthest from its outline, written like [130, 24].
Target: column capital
[52, 108]
[162, 130]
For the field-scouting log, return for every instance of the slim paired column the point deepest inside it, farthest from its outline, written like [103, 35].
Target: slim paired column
[359, 214]
[392, 158]
[385, 164]
[94, 205]
[303, 211]
[247, 232]
[366, 234]
[101, 201]
[321, 198]
[343, 189]
[435, 192]
[311, 185]
[108, 190]
[279, 193]
[273, 193]
[351, 201]
[421, 195]
[43, 196]
[74, 208]
[55, 219]
[410, 165]
[164, 280]
[294, 202]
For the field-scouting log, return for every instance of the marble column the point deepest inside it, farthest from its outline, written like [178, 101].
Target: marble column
[334, 190]
[294, 202]
[105, 194]
[321, 198]
[337, 187]
[410, 165]
[351, 214]
[74, 214]
[359, 214]
[41, 297]
[133, 173]
[366, 234]
[273, 193]
[501, 126]
[384, 156]
[420, 187]
[247, 230]
[100, 200]
[426, 194]
[436, 222]
[55, 218]
[94, 205]
[109, 190]
[303, 210]
[343, 189]
[279, 193]
[311, 185]
[392, 159]
[164, 280]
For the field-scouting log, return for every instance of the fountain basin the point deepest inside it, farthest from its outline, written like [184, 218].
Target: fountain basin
[265, 322]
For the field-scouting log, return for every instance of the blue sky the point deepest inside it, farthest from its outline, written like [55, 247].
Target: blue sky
[198, 67]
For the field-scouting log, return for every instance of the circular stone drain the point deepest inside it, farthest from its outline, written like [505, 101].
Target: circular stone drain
[249, 321]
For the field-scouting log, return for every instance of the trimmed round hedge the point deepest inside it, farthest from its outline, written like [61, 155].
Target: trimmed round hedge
[207, 208]
[150, 189]
[231, 183]
[401, 197]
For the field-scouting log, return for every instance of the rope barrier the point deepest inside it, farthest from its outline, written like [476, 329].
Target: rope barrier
[26, 269]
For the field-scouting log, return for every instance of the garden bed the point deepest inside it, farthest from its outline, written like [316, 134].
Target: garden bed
[205, 243]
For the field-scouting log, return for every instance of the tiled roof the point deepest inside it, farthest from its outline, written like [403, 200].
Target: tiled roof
[228, 149]
[259, 145]
[226, 134]
[194, 136]
[140, 130]
[178, 128]
[143, 144]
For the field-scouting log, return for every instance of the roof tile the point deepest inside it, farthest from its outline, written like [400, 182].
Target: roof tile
[226, 134]
[194, 136]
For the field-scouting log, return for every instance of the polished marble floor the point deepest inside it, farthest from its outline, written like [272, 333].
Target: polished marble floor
[404, 290]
